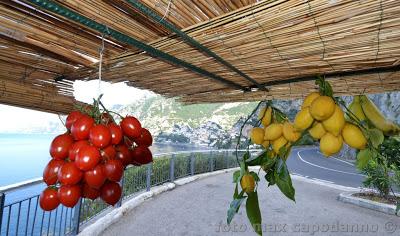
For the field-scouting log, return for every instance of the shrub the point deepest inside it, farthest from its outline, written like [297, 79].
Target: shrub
[377, 177]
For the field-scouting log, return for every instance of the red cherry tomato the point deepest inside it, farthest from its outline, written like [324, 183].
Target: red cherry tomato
[106, 118]
[131, 127]
[89, 192]
[116, 133]
[123, 154]
[48, 199]
[60, 146]
[142, 155]
[69, 195]
[69, 174]
[71, 118]
[108, 153]
[111, 193]
[100, 136]
[73, 151]
[80, 129]
[88, 157]
[113, 170]
[50, 172]
[145, 138]
[95, 178]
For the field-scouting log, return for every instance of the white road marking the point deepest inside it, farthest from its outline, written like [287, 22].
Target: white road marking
[325, 168]
[335, 186]
[294, 173]
[349, 163]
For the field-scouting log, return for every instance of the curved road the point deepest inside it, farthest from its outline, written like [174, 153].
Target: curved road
[310, 163]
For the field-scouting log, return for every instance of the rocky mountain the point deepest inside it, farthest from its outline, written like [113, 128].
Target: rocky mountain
[202, 124]
[218, 125]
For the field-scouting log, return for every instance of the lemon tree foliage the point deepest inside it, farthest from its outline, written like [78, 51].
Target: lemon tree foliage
[323, 118]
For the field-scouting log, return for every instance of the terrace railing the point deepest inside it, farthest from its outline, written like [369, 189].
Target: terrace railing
[23, 215]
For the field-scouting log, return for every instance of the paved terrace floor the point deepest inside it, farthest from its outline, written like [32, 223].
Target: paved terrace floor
[199, 208]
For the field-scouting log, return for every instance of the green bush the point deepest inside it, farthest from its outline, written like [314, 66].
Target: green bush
[383, 173]
[377, 177]
[390, 148]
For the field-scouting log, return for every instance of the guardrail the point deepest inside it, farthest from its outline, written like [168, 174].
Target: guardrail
[24, 216]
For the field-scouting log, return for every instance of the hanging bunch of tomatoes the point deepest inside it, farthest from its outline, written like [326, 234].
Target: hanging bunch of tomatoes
[89, 159]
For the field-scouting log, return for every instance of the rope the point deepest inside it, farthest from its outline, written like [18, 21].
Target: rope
[166, 11]
[272, 45]
[100, 65]
[319, 35]
[379, 41]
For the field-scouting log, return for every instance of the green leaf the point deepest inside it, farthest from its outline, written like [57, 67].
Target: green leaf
[282, 151]
[253, 212]
[284, 181]
[376, 137]
[270, 177]
[246, 156]
[236, 192]
[324, 87]
[279, 116]
[363, 158]
[236, 176]
[255, 176]
[268, 161]
[255, 161]
[234, 207]
[242, 168]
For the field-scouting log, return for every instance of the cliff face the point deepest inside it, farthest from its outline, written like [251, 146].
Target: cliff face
[218, 125]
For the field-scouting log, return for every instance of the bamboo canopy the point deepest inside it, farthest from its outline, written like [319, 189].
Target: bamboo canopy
[277, 43]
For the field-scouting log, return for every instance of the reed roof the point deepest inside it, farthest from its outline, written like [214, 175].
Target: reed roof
[281, 44]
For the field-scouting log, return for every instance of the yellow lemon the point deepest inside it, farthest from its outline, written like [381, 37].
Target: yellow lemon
[257, 135]
[356, 110]
[278, 143]
[265, 116]
[309, 99]
[317, 130]
[273, 131]
[330, 144]
[290, 133]
[353, 136]
[303, 119]
[322, 108]
[248, 183]
[265, 143]
[335, 122]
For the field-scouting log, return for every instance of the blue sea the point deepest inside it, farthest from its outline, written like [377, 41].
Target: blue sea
[24, 156]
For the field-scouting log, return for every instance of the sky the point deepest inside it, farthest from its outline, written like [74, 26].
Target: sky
[14, 119]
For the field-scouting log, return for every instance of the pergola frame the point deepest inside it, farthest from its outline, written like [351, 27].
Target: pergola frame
[199, 52]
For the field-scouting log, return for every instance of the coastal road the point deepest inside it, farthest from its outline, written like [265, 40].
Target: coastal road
[310, 163]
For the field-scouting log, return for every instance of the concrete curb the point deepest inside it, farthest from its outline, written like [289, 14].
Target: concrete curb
[110, 218]
[361, 202]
